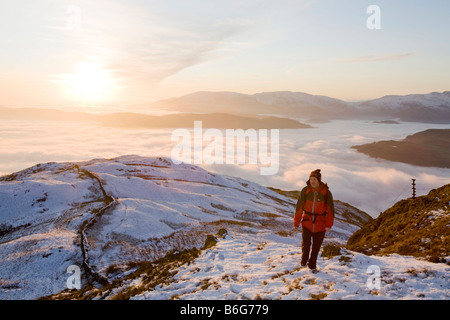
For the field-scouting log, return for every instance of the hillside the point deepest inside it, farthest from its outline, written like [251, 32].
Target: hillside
[428, 148]
[145, 228]
[110, 215]
[417, 227]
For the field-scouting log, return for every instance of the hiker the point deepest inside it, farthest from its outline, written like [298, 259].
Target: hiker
[315, 212]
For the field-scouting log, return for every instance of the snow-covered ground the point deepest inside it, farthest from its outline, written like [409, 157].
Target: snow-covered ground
[113, 213]
[266, 266]
[56, 215]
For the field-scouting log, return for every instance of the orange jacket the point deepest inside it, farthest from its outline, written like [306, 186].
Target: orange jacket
[315, 209]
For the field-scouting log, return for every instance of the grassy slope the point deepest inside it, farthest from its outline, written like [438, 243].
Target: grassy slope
[417, 227]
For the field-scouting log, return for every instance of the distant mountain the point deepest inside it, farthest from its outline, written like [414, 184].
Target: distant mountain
[433, 107]
[428, 148]
[289, 104]
[137, 120]
[115, 217]
[211, 102]
[213, 120]
[285, 103]
[430, 108]
[416, 227]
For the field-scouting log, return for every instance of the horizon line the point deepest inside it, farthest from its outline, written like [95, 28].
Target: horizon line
[109, 104]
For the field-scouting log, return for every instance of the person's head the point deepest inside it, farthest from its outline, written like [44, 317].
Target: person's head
[315, 178]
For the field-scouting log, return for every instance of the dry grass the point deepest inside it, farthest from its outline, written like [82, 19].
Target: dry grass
[411, 227]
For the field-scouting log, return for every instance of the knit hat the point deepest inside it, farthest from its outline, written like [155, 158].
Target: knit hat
[316, 173]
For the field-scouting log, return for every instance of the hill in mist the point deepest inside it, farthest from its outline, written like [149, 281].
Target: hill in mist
[213, 120]
[429, 148]
[220, 120]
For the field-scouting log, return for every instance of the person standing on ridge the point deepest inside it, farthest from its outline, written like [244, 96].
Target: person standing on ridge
[315, 212]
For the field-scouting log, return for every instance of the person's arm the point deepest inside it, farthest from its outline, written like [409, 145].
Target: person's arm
[299, 209]
[329, 221]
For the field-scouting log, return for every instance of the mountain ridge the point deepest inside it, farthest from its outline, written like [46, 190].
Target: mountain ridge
[433, 107]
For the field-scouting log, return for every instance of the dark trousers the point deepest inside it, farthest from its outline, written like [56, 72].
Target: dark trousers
[317, 239]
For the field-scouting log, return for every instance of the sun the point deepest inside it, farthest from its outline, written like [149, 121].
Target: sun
[91, 83]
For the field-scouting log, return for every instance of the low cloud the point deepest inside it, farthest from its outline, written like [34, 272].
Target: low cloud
[371, 185]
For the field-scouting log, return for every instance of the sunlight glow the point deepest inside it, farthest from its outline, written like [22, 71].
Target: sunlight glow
[90, 83]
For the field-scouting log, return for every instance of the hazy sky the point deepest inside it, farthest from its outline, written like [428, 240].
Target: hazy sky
[69, 53]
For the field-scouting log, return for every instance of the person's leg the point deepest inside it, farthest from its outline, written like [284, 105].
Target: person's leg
[316, 244]
[306, 245]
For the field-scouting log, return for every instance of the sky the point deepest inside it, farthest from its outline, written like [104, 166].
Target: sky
[71, 53]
